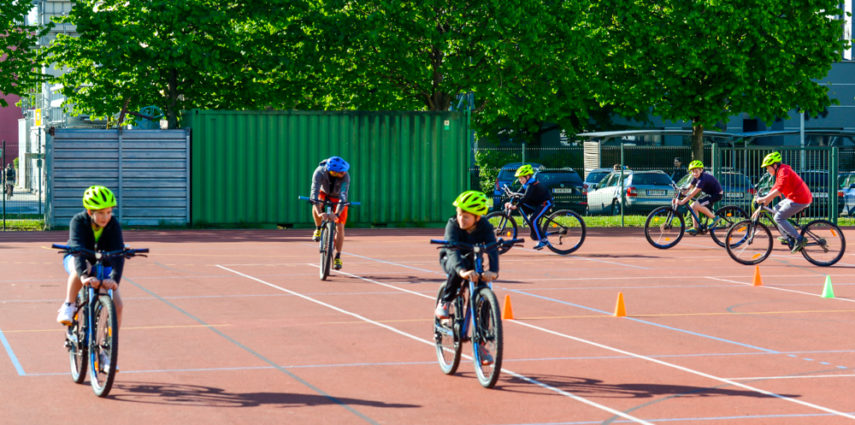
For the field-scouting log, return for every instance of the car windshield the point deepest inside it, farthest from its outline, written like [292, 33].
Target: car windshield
[596, 176]
[734, 180]
[556, 178]
[655, 179]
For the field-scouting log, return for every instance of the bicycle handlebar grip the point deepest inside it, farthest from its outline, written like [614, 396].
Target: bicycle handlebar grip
[354, 203]
[143, 250]
[439, 241]
[58, 246]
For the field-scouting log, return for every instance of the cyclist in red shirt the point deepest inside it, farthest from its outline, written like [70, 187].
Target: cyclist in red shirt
[796, 193]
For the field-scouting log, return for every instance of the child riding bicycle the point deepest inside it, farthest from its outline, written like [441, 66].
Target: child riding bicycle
[797, 197]
[536, 200]
[701, 182]
[94, 229]
[331, 181]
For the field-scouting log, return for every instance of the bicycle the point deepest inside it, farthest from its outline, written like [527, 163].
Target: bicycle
[566, 227]
[750, 242]
[482, 316]
[665, 225]
[327, 241]
[93, 340]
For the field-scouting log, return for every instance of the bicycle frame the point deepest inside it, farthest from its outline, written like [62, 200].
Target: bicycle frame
[515, 200]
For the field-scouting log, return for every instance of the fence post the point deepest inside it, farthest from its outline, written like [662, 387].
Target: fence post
[622, 192]
[3, 180]
[832, 184]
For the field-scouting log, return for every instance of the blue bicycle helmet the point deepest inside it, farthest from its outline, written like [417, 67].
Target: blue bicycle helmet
[336, 164]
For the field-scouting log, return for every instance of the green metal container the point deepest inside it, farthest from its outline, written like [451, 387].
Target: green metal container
[248, 167]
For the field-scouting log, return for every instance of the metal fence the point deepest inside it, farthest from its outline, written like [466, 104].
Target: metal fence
[21, 205]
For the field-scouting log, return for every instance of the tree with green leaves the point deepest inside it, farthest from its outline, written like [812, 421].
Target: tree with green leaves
[174, 54]
[19, 62]
[705, 60]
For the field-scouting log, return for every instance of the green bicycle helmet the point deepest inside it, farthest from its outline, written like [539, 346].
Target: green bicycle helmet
[472, 201]
[98, 197]
[525, 170]
[772, 158]
[695, 164]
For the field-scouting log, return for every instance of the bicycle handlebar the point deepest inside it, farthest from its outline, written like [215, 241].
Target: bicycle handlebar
[318, 201]
[475, 247]
[124, 252]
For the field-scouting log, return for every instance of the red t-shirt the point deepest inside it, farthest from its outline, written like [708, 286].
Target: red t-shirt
[791, 185]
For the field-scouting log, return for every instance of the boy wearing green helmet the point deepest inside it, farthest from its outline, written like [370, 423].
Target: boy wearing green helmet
[701, 182]
[466, 226]
[796, 195]
[536, 200]
[95, 229]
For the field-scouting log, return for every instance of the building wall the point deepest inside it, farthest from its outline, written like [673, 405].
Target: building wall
[9, 127]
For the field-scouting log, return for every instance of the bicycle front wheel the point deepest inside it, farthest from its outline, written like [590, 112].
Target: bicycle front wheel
[727, 216]
[748, 242]
[446, 334]
[104, 350]
[327, 241]
[824, 243]
[564, 230]
[504, 226]
[75, 341]
[664, 227]
[487, 344]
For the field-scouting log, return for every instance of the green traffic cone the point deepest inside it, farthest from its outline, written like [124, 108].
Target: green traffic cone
[827, 291]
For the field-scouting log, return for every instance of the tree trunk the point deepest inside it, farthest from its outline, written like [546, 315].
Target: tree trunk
[172, 89]
[697, 141]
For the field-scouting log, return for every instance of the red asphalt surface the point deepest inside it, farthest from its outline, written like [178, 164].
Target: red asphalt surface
[234, 327]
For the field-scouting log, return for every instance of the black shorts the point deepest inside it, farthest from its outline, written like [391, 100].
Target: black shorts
[708, 200]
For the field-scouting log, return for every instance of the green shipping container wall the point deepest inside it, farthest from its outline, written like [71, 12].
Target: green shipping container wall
[248, 167]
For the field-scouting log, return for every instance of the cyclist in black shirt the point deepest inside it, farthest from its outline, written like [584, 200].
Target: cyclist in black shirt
[535, 202]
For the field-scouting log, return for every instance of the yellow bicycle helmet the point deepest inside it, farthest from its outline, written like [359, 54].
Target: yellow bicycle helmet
[98, 197]
[695, 164]
[772, 158]
[472, 201]
[525, 170]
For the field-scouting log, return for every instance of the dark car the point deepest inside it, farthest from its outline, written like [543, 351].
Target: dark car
[566, 187]
[506, 177]
[817, 182]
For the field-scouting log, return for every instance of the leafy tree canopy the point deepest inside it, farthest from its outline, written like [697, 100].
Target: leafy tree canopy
[19, 63]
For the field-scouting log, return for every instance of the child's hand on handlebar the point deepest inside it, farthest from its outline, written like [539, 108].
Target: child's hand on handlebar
[510, 206]
[469, 275]
[489, 276]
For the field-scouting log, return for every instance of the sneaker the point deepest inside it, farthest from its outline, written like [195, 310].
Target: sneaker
[693, 231]
[786, 240]
[540, 245]
[441, 311]
[66, 314]
[798, 245]
[337, 263]
[486, 358]
[317, 235]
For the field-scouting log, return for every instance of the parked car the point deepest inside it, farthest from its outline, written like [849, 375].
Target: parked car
[644, 190]
[594, 177]
[566, 187]
[817, 181]
[846, 184]
[506, 177]
[737, 187]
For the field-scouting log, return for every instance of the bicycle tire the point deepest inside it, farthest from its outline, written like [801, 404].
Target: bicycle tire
[825, 243]
[447, 338]
[488, 334]
[748, 242]
[504, 226]
[728, 215]
[327, 240]
[660, 229]
[75, 342]
[104, 349]
[567, 227]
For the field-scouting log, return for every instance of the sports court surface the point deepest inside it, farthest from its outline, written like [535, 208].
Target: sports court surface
[234, 327]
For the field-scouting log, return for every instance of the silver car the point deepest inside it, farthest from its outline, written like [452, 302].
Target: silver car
[642, 191]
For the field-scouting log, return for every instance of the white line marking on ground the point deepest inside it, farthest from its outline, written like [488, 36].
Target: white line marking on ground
[777, 288]
[431, 343]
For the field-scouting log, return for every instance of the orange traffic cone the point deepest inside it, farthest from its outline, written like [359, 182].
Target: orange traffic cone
[507, 311]
[758, 281]
[620, 308]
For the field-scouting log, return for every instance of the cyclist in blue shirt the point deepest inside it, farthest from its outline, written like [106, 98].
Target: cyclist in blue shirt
[331, 180]
[535, 202]
[701, 182]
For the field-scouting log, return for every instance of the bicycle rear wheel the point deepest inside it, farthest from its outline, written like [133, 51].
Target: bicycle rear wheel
[664, 227]
[564, 230]
[327, 241]
[104, 350]
[446, 334]
[75, 341]
[825, 243]
[748, 242]
[504, 227]
[487, 344]
[727, 216]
